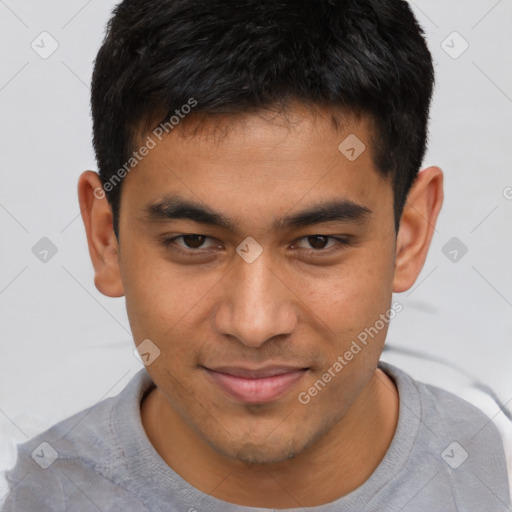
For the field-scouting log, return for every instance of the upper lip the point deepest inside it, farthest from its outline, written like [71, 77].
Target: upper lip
[259, 373]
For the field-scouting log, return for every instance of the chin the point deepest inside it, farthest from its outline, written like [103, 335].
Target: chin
[257, 454]
[264, 452]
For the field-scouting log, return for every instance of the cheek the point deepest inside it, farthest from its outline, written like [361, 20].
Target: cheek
[167, 304]
[156, 295]
[164, 299]
[350, 296]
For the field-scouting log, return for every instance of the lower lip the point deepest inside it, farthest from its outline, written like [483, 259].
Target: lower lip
[255, 391]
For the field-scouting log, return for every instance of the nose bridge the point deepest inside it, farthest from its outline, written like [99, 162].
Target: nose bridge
[255, 282]
[258, 305]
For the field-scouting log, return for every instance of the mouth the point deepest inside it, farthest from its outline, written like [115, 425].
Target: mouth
[254, 386]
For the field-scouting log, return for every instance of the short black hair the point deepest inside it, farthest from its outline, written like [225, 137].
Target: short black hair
[235, 57]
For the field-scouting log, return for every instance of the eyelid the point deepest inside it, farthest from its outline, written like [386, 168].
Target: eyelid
[340, 240]
[168, 241]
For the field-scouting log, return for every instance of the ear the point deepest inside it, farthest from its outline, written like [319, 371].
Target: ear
[417, 226]
[103, 247]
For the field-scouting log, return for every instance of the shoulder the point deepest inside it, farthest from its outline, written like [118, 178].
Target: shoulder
[441, 410]
[454, 442]
[79, 452]
[450, 415]
[38, 480]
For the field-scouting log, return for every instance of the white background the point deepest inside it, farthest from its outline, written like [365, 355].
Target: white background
[64, 346]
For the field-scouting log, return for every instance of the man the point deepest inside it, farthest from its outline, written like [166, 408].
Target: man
[258, 203]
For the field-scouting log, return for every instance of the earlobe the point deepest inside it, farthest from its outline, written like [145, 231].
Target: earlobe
[417, 226]
[103, 246]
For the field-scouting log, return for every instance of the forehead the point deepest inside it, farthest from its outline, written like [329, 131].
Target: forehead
[267, 160]
[300, 133]
[270, 125]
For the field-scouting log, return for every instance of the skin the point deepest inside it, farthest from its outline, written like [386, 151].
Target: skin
[290, 306]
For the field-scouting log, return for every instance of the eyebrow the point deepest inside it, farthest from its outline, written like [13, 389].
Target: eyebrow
[176, 207]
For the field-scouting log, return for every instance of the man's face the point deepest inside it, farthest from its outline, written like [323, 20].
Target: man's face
[300, 303]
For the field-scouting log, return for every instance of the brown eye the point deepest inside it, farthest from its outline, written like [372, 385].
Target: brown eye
[190, 243]
[318, 241]
[193, 241]
[318, 245]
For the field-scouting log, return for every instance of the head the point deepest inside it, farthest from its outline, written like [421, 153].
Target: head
[278, 121]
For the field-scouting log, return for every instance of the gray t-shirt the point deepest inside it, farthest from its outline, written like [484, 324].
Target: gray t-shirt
[445, 456]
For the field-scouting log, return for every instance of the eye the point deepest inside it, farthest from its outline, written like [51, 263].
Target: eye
[319, 243]
[190, 243]
[194, 244]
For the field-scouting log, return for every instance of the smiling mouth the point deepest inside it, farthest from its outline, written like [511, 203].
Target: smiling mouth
[256, 385]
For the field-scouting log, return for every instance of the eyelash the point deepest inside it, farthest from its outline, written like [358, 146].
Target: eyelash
[169, 243]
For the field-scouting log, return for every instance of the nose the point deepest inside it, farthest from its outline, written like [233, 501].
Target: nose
[258, 302]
